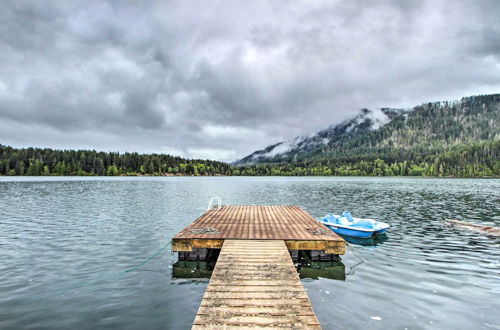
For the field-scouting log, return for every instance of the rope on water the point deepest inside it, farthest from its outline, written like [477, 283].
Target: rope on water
[116, 274]
[148, 259]
[361, 260]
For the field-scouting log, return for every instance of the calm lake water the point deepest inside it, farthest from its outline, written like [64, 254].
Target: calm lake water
[66, 244]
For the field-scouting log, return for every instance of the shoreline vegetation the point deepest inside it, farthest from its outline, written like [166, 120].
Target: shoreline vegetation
[223, 175]
[473, 160]
[437, 139]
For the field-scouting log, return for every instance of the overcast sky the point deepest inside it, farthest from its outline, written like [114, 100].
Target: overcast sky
[220, 79]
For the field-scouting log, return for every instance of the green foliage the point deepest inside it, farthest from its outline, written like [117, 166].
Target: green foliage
[113, 171]
[480, 159]
[435, 139]
[459, 139]
[34, 161]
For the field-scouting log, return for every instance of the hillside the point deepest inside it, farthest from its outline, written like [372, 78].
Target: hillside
[429, 128]
[467, 130]
[300, 147]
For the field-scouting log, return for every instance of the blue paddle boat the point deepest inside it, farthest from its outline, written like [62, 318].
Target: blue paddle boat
[345, 224]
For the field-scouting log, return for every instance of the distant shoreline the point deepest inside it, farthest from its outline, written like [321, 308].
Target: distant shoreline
[250, 176]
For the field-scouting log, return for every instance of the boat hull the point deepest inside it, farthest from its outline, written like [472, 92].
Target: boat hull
[374, 240]
[352, 232]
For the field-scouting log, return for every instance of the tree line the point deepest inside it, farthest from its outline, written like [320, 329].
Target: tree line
[480, 159]
[36, 161]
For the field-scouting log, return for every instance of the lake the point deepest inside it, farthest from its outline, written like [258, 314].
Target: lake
[74, 250]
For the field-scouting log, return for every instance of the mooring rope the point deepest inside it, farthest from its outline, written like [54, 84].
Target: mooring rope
[148, 259]
[116, 274]
[350, 272]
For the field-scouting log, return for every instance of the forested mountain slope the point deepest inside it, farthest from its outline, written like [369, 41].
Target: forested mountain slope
[299, 147]
[459, 138]
[428, 128]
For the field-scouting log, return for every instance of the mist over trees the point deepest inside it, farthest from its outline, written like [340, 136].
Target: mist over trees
[460, 138]
[476, 160]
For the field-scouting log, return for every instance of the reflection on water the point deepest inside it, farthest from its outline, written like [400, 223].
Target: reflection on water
[193, 269]
[334, 270]
[368, 241]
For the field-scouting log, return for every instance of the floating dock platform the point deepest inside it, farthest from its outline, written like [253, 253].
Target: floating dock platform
[254, 282]
[291, 224]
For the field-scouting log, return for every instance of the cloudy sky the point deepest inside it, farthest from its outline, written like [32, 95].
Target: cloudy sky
[219, 79]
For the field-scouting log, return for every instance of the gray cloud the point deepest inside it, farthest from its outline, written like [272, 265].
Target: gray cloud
[220, 79]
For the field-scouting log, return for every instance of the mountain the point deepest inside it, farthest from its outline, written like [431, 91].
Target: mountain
[366, 121]
[393, 134]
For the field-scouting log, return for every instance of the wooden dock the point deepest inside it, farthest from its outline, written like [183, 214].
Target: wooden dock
[254, 284]
[298, 229]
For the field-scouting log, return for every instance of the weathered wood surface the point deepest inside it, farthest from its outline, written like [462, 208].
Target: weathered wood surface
[298, 229]
[489, 230]
[254, 284]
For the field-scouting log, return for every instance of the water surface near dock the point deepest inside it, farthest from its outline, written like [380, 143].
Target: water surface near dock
[66, 242]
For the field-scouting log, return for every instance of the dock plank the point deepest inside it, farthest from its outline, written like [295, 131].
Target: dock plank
[262, 293]
[261, 222]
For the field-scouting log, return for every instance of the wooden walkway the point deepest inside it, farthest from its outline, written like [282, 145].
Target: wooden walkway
[255, 284]
[290, 223]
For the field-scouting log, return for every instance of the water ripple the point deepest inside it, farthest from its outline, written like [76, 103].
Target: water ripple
[64, 240]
